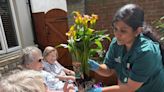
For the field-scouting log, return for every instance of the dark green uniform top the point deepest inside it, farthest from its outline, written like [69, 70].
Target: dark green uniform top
[143, 63]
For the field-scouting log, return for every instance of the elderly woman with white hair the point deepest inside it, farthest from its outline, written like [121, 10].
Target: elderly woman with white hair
[32, 59]
[52, 66]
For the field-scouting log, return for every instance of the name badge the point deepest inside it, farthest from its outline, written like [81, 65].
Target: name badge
[118, 60]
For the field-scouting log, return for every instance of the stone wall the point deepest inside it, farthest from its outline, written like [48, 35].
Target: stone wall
[9, 62]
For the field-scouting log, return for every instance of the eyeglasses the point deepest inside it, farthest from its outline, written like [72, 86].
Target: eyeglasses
[40, 60]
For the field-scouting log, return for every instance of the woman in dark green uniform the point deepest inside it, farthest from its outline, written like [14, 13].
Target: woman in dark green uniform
[133, 56]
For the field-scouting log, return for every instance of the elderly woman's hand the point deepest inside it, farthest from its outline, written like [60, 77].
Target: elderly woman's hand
[72, 78]
[68, 87]
[70, 72]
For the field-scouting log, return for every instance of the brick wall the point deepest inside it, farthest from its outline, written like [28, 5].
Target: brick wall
[106, 8]
[74, 5]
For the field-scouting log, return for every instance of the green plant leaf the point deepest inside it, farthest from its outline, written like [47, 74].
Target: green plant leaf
[84, 41]
[98, 43]
[161, 25]
[162, 18]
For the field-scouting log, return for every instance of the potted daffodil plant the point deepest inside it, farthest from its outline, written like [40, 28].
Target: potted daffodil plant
[84, 41]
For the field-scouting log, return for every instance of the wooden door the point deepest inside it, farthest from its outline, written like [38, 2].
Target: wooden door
[50, 30]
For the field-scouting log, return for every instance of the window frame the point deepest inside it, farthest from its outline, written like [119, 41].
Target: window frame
[4, 44]
[2, 38]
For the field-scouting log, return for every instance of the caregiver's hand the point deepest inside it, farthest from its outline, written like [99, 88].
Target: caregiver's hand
[93, 65]
[95, 90]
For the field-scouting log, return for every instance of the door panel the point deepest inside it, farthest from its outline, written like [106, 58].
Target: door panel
[50, 29]
[40, 31]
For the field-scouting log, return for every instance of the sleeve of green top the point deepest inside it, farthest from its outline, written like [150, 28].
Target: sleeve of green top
[109, 57]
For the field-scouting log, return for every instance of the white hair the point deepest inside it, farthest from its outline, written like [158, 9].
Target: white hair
[27, 54]
[23, 81]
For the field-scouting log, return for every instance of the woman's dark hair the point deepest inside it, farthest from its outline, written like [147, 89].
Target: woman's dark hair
[154, 36]
[130, 14]
[133, 16]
